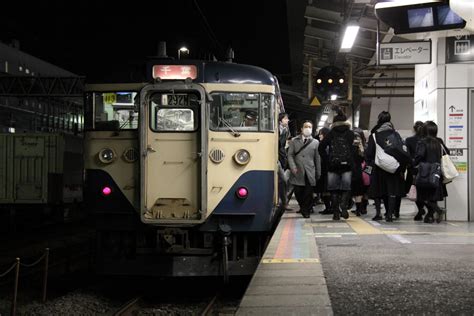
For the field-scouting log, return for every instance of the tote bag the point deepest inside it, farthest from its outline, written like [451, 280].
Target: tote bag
[365, 176]
[447, 167]
[412, 193]
[383, 160]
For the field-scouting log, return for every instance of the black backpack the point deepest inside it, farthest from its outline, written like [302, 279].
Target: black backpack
[394, 146]
[429, 175]
[340, 154]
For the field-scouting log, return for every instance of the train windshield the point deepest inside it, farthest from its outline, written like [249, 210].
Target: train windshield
[115, 110]
[174, 112]
[243, 112]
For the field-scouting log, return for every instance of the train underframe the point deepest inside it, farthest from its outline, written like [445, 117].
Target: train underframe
[128, 247]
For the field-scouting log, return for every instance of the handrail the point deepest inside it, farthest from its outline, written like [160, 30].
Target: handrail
[17, 266]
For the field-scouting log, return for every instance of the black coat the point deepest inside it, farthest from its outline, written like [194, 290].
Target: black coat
[383, 183]
[282, 155]
[426, 153]
[339, 129]
[411, 143]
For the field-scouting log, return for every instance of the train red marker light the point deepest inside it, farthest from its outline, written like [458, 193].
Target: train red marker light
[242, 193]
[106, 191]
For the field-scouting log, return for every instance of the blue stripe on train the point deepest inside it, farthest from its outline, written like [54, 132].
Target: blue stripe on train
[254, 213]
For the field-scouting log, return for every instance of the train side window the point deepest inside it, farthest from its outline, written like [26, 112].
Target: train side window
[241, 111]
[114, 110]
[267, 112]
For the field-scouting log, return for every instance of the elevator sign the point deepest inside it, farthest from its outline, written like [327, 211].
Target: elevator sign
[405, 53]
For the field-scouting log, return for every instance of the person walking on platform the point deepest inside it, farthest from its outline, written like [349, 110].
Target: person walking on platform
[429, 182]
[336, 149]
[386, 185]
[411, 143]
[321, 186]
[305, 166]
[283, 136]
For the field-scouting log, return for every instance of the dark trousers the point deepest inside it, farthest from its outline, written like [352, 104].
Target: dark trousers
[304, 196]
[282, 187]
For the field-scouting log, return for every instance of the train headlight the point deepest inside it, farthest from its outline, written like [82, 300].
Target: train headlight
[242, 157]
[107, 155]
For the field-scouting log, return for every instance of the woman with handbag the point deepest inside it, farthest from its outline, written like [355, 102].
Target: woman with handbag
[429, 180]
[387, 181]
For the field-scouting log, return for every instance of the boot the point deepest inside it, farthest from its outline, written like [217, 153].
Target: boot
[419, 215]
[392, 201]
[358, 209]
[335, 199]
[363, 209]
[397, 207]
[378, 210]
[429, 218]
[421, 211]
[327, 205]
[345, 199]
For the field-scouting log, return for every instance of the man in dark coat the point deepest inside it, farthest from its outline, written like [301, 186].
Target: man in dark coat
[283, 136]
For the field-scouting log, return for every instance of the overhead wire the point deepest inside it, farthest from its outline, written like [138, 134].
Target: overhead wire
[208, 27]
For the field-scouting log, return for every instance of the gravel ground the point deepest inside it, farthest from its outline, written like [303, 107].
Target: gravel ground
[105, 296]
[374, 275]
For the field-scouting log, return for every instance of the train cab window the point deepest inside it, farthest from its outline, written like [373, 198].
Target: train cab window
[244, 112]
[174, 112]
[115, 110]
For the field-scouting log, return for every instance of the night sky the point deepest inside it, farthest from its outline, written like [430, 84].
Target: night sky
[105, 40]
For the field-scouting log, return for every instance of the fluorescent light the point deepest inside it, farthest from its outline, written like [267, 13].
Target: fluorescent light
[349, 37]
[333, 97]
[321, 123]
[324, 118]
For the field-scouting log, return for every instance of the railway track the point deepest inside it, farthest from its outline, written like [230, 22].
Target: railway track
[129, 307]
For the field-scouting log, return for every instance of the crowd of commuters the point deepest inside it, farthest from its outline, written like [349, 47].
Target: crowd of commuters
[344, 168]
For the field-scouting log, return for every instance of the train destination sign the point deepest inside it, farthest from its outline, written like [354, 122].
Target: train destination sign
[174, 72]
[404, 53]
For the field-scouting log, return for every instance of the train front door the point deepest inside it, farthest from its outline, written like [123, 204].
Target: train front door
[173, 142]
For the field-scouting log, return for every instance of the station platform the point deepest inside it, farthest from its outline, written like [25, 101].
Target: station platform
[357, 266]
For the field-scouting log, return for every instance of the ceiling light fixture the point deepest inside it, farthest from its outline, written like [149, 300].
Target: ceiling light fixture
[348, 40]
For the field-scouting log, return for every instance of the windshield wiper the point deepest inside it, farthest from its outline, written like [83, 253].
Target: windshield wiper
[232, 130]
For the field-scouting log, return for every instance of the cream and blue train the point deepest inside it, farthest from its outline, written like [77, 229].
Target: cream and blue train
[181, 173]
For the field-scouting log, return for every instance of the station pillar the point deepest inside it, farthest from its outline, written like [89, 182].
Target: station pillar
[444, 93]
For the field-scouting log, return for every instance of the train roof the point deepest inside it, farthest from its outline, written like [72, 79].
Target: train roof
[219, 72]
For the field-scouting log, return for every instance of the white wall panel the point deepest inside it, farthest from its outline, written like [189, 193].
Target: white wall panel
[459, 75]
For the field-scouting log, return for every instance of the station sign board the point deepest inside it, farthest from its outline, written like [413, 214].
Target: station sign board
[456, 119]
[405, 53]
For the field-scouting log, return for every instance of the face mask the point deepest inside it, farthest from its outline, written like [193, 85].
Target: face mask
[306, 131]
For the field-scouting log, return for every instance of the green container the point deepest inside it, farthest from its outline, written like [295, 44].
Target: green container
[40, 168]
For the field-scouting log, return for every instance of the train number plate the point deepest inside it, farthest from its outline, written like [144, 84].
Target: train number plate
[175, 99]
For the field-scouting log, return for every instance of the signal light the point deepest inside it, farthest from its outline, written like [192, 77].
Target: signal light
[319, 81]
[106, 191]
[330, 81]
[242, 193]
[341, 81]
